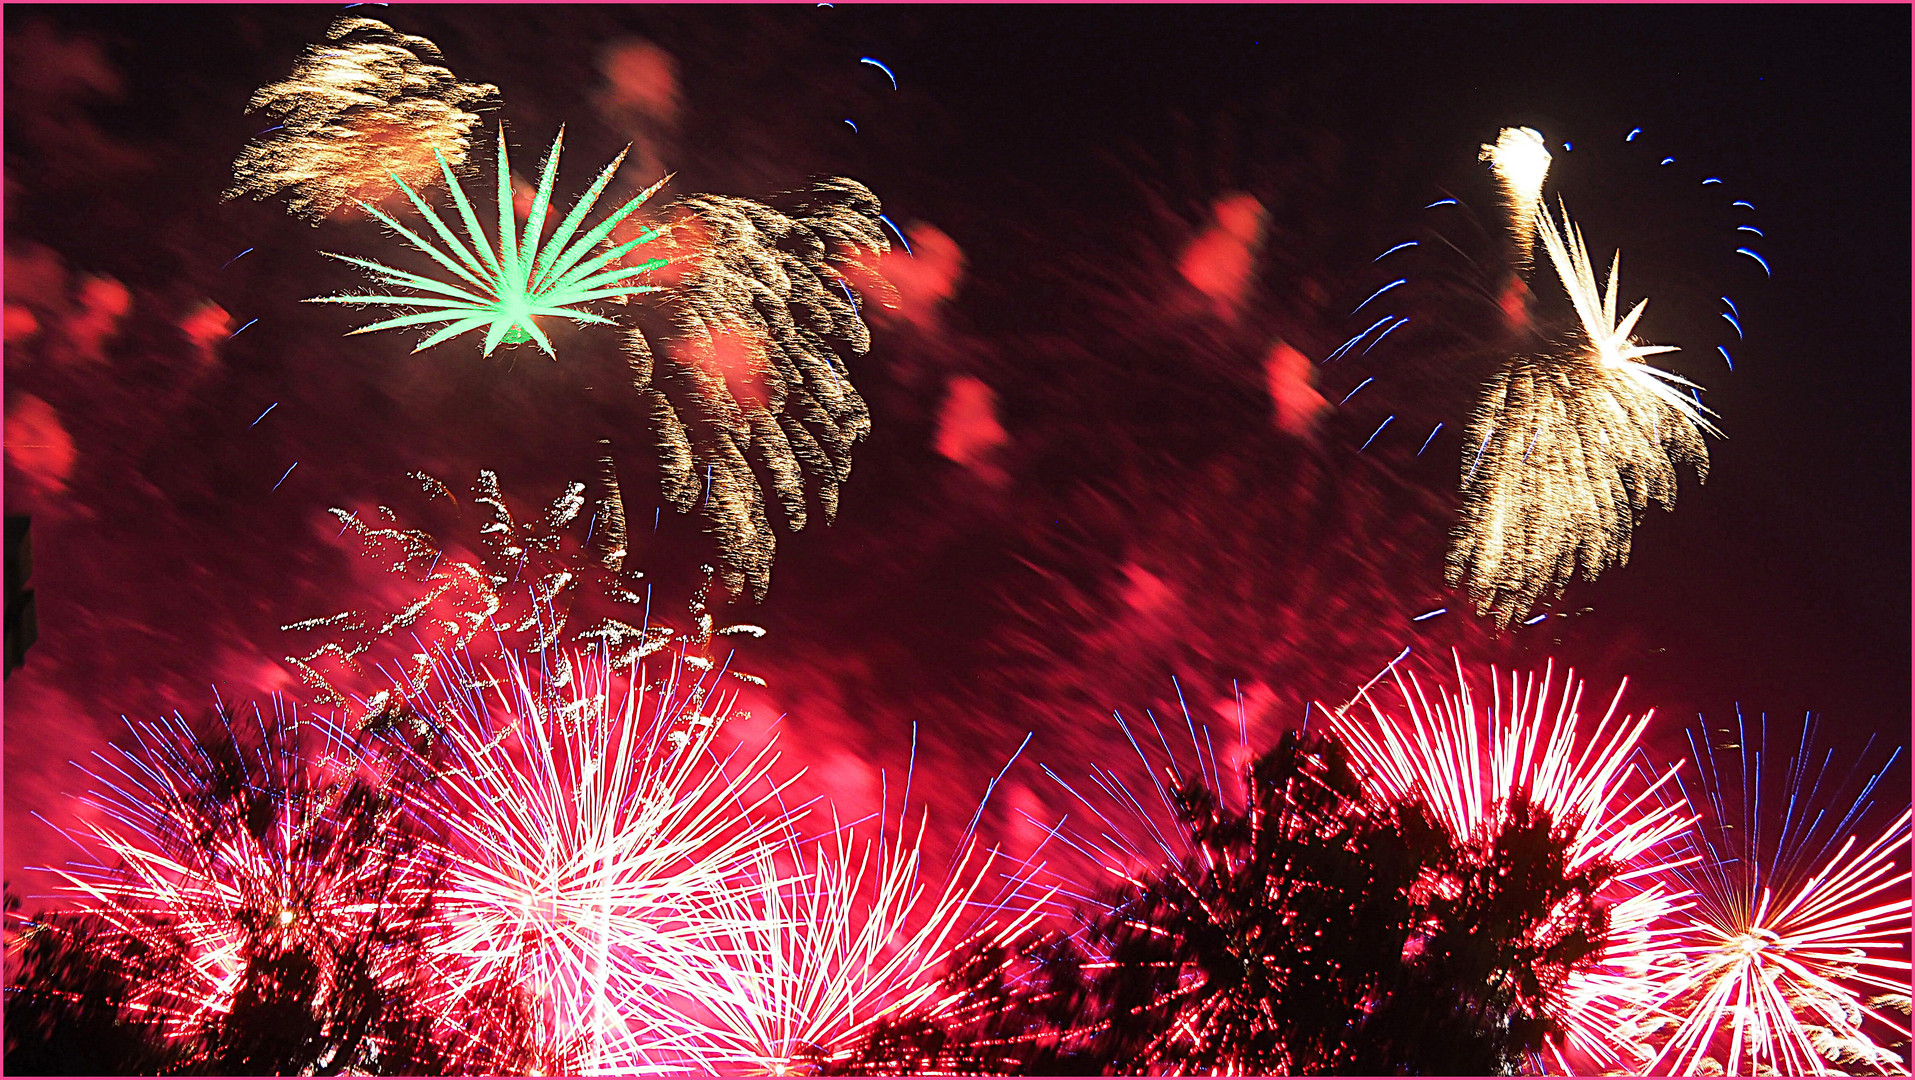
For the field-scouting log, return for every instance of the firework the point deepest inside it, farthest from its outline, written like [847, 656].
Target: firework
[588, 842]
[1564, 451]
[753, 373]
[534, 585]
[504, 289]
[370, 108]
[831, 942]
[1520, 161]
[1794, 958]
[260, 847]
[1470, 768]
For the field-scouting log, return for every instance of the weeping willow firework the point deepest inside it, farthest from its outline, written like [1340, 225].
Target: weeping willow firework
[504, 288]
[831, 941]
[587, 845]
[1794, 957]
[370, 108]
[255, 844]
[1566, 450]
[753, 375]
[1470, 768]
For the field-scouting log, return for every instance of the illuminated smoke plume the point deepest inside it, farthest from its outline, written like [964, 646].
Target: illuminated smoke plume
[368, 105]
[753, 374]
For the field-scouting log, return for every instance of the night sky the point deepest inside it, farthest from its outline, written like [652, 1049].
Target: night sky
[1134, 512]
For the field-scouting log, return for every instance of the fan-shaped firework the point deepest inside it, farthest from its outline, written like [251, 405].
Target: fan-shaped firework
[587, 844]
[1794, 957]
[1471, 768]
[830, 942]
[1564, 451]
[368, 108]
[754, 374]
[258, 847]
[504, 288]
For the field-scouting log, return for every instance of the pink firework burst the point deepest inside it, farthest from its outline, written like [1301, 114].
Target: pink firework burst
[591, 829]
[1794, 959]
[250, 846]
[1470, 766]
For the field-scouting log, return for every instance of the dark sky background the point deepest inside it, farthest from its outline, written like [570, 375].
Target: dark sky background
[1142, 516]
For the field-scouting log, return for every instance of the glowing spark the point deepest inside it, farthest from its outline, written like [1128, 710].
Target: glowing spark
[1440, 202]
[284, 475]
[1520, 160]
[1760, 261]
[1359, 386]
[1668, 161]
[504, 287]
[879, 64]
[1631, 137]
[854, 127]
[1726, 358]
[1397, 248]
[1732, 306]
[1713, 180]
[1749, 228]
[1426, 442]
[262, 416]
[1469, 767]
[1744, 205]
[1734, 323]
[1582, 442]
[1429, 614]
[235, 333]
[1534, 619]
[235, 258]
[1379, 292]
[368, 106]
[1374, 434]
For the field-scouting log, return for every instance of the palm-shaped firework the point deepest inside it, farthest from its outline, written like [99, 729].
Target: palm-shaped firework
[504, 287]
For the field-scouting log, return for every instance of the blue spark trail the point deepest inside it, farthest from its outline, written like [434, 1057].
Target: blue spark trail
[1379, 292]
[1759, 260]
[879, 64]
[1379, 258]
[1744, 205]
[1384, 334]
[1359, 386]
[234, 259]
[1426, 442]
[284, 475]
[1748, 228]
[1345, 347]
[1732, 306]
[1732, 322]
[1430, 614]
[1479, 455]
[1725, 357]
[262, 416]
[235, 333]
[1713, 180]
[1668, 161]
[1374, 434]
[1537, 619]
[1631, 137]
[900, 236]
[1440, 202]
[854, 127]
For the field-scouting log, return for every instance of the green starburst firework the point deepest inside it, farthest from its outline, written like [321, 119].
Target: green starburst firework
[505, 287]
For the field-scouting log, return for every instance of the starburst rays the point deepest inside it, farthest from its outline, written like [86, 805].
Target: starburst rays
[505, 286]
[1470, 767]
